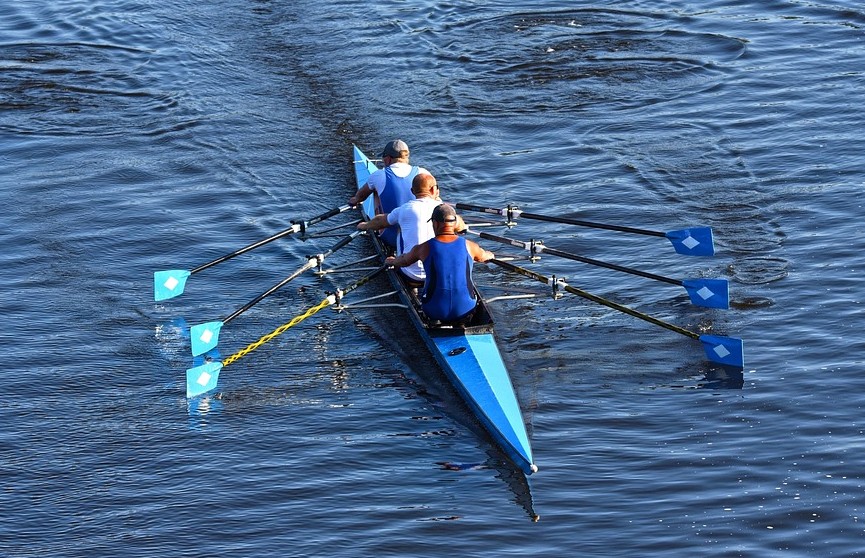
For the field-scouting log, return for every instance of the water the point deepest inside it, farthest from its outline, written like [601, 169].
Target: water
[138, 136]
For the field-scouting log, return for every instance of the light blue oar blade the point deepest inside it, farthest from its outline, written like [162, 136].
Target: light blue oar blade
[202, 379]
[204, 337]
[709, 293]
[696, 241]
[724, 350]
[169, 283]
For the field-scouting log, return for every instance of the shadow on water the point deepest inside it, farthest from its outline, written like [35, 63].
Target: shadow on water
[516, 480]
[712, 377]
[722, 378]
[434, 386]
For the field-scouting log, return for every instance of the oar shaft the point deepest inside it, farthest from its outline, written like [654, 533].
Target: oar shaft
[511, 213]
[362, 281]
[594, 298]
[311, 262]
[323, 216]
[631, 312]
[615, 267]
[308, 265]
[544, 249]
[327, 301]
[504, 240]
[578, 222]
[345, 240]
[296, 226]
[479, 208]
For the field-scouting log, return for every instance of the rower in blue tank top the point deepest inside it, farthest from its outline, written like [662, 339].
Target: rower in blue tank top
[448, 292]
[390, 185]
[396, 192]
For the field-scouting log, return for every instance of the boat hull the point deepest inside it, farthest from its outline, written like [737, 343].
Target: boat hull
[467, 355]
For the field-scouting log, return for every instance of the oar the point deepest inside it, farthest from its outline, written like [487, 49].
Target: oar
[695, 241]
[728, 351]
[202, 379]
[170, 282]
[709, 293]
[205, 337]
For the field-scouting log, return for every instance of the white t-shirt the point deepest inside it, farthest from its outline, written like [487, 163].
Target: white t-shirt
[413, 218]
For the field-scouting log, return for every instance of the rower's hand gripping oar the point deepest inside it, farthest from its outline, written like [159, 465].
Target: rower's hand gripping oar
[709, 293]
[694, 241]
[205, 337]
[728, 351]
[201, 379]
[171, 282]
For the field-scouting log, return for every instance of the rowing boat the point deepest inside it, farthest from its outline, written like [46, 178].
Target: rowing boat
[467, 354]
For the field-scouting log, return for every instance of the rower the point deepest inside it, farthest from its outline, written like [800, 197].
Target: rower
[391, 185]
[448, 292]
[412, 220]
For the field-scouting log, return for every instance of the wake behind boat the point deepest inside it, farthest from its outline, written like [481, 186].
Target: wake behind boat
[467, 354]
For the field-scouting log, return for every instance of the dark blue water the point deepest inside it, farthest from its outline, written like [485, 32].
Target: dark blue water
[137, 136]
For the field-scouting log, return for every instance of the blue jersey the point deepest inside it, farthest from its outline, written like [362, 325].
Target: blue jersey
[396, 191]
[448, 292]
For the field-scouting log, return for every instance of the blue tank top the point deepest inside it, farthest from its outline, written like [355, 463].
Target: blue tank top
[448, 292]
[396, 192]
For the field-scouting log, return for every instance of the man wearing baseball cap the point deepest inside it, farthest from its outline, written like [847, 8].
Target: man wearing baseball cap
[448, 292]
[390, 185]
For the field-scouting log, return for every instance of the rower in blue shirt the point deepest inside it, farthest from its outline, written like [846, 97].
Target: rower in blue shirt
[391, 185]
[448, 292]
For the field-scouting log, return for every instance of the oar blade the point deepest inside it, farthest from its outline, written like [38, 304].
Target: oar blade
[202, 379]
[696, 241]
[169, 283]
[728, 351]
[708, 293]
[204, 337]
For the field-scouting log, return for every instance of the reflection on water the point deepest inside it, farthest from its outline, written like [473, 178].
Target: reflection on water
[198, 409]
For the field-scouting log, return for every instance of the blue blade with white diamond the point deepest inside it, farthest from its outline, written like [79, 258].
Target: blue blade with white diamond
[202, 379]
[728, 351]
[204, 337]
[709, 293]
[696, 241]
[169, 283]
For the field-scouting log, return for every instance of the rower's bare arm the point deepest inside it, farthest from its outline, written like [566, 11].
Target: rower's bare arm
[374, 224]
[361, 195]
[417, 253]
[478, 253]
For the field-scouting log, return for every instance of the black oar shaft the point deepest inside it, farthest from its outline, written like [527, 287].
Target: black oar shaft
[615, 267]
[578, 222]
[479, 208]
[291, 230]
[510, 213]
[308, 265]
[544, 249]
[595, 298]
[311, 262]
[345, 240]
[503, 240]
[328, 301]
[296, 226]
[362, 281]
[323, 216]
